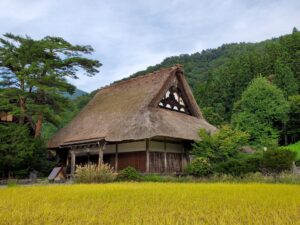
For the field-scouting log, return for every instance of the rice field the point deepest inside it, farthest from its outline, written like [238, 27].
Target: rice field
[151, 203]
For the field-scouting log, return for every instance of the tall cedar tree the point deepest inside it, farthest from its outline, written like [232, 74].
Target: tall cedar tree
[262, 105]
[34, 74]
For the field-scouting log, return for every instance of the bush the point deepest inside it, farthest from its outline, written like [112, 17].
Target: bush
[278, 160]
[199, 167]
[240, 166]
[91, 173]
[129, 174]
[297, 163]
[220, 146]
[12, 183]
[156, 178]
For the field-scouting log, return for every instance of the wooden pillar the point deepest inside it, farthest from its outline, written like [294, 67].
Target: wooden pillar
[73, 162]
[88, 155]
[116, 158]
[165, 156]
[101, 148]
[147, 156]
[183, 158]
[67, 161]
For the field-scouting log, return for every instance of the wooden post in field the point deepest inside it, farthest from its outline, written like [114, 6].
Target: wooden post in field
[147, 156]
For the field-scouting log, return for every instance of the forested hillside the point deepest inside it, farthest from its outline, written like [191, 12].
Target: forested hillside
[77, 93]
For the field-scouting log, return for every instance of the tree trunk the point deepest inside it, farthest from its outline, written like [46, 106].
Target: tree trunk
[22, 108]
[285, 134]
[38, 125]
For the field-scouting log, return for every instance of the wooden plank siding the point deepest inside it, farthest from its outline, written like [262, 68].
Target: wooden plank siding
[134, 159]
[174, 161]
[157, 162]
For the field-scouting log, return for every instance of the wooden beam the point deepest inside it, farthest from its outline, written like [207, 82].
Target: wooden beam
[147, 156]
[165, 156]
[183, 158]
[73, 162]
[101, 148]
[116, 158]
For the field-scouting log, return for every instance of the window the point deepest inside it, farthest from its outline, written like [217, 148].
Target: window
[173, 100]
[6, 117]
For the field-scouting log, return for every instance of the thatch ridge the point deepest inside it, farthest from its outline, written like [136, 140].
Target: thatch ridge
[131, 79]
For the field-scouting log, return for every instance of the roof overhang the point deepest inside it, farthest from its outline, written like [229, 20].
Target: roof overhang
[72, 143]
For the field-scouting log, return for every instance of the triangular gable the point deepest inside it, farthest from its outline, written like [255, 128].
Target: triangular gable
[174, 100]
[176, 95]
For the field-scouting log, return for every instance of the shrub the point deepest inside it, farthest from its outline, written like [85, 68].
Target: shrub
[156, 178]
[129, 174]
[12, 183]
[297, 163]
[91, 173]
[240, 166]
[199, 167]
[278, 160]
[220, 146]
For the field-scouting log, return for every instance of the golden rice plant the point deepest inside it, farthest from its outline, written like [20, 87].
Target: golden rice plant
[151, 203]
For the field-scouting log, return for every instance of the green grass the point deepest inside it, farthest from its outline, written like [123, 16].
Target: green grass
[151, 203]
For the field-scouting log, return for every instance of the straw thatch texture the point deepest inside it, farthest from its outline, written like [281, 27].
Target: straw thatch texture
[128, 111]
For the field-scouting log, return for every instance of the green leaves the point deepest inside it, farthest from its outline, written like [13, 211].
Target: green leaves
[261, 106]
[278, 160]
[221, 146]
[34, 74]
[285, 80]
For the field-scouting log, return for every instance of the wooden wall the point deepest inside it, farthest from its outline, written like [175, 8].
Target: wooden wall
[174, 162]
[134, 159]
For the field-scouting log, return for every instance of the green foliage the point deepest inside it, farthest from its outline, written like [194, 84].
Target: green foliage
[20, 153]
[199, 167]
[260, 107]
[212, 117]
[294, 147]
[284, 79]
[154, 178]
[240, 166]
[275, 161]
[129, 174]
[91, 173]
[16, 148]
[11, 183]
[74, 108]
[34, 75]
[220, 146]
[293, 124]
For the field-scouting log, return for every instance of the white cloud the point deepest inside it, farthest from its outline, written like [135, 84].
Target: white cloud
[131, 35]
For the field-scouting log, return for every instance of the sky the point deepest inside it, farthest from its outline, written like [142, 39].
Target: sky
[128, 36]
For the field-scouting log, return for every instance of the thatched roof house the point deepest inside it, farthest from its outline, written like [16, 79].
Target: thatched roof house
[136, 118]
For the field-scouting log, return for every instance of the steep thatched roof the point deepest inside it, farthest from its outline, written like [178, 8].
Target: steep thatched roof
[129, 111]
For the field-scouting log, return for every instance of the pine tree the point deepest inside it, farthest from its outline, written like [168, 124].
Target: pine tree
[34, 74]
[261, 106]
